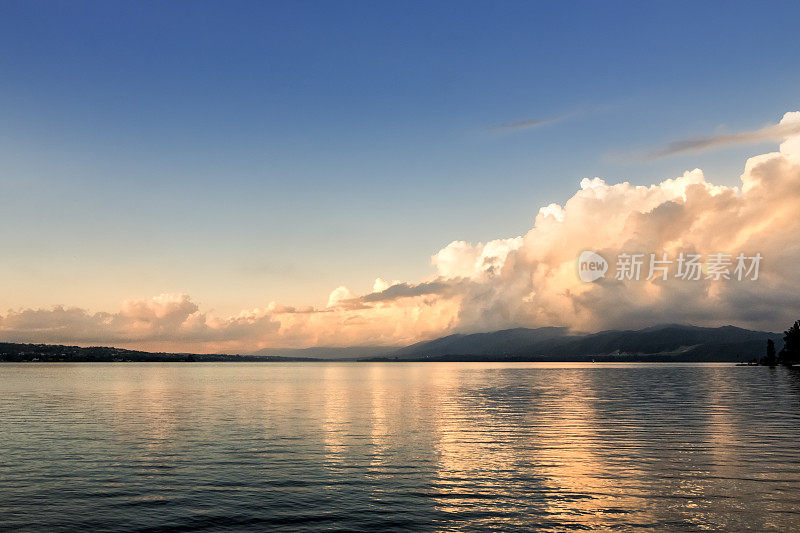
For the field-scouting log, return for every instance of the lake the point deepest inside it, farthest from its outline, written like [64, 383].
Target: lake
[398, 446]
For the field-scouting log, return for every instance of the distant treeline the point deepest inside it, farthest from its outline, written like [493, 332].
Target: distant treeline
[14, 352]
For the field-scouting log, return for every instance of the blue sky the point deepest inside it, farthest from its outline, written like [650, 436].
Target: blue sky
[248, 152]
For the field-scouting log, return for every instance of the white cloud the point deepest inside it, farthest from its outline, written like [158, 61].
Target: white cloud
[461, 259]
[339, 295]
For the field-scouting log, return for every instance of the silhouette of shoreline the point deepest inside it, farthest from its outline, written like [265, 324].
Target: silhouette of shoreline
[56, 353]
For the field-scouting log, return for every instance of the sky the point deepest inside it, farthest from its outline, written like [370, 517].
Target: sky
[172, 175]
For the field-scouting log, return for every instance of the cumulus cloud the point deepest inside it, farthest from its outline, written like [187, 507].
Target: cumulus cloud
[339, 295]
[537, 284]
[461, 259]
[529, 280]
[169, 319]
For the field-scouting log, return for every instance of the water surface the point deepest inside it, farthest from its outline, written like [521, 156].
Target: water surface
[398, 446]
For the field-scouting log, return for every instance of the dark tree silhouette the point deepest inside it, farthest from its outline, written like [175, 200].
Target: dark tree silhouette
[790, 354]
[770, 359]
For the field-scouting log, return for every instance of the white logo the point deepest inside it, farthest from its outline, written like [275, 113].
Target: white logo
[591, 266]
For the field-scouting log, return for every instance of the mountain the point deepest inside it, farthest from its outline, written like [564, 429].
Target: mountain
[496, 343]
[671, 342]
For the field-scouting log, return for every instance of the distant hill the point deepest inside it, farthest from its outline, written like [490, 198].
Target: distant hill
[671, 342]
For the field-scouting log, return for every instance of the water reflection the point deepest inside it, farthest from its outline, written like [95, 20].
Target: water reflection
[403, 446]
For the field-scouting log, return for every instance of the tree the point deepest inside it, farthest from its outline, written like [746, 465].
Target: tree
[790, 354]
[770, 359]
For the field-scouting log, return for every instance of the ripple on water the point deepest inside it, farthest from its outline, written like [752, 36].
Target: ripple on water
[366, 447]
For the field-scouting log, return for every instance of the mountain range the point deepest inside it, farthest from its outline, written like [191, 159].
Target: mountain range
[669, 342]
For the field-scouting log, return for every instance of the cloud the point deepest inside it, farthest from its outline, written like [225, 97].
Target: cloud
[169, 318]
[339, 295]
[408, 290]
[537, 283]
[461, 259]
[789, 126]
[526, 124]
[528, 280]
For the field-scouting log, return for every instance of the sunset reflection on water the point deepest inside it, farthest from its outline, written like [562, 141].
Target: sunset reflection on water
[401, 445]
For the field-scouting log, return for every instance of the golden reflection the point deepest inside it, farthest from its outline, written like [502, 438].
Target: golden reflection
[567, 447]
[380, 431]
[335, 419]
[478, 451]
[534, 446]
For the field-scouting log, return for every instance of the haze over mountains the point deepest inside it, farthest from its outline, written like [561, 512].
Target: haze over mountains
[671, 342]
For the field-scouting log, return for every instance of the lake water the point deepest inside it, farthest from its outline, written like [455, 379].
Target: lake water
[398, 446]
